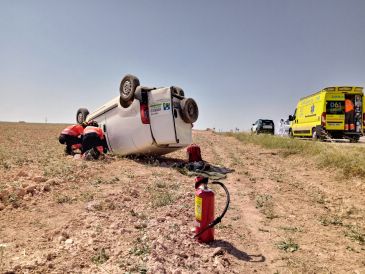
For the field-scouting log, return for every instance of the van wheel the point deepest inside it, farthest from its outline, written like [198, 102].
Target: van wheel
[127, 88]
[177, 91]
[81, 115]
[189, 110]
[315, 134]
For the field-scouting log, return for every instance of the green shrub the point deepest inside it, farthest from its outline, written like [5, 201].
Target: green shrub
[100, 257]
[288, 245]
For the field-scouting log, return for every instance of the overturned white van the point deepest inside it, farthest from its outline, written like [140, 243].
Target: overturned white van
[145, 120]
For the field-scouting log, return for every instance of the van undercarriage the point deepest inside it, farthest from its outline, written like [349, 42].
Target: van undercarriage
[324, 134]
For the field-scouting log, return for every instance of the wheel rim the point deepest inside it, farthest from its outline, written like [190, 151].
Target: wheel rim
[191, 110]
[80, 117]
[127, 88]
[314, 135]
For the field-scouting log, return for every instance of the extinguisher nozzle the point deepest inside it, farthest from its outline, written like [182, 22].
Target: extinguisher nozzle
[200, 180]
[212, 224]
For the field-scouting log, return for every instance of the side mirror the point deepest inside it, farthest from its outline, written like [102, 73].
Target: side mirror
[253, 124]
[291, 118]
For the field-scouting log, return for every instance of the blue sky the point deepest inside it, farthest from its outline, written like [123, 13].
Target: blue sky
[240, 60]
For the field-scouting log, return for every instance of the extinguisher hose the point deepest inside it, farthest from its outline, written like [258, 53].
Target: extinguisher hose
[220, 217]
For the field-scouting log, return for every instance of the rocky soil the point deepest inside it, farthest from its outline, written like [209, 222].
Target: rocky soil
[130, 215]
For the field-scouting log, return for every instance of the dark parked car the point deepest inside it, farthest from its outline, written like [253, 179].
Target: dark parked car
[263, 126]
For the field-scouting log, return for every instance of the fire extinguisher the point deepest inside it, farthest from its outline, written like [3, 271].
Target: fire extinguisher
[204, 210]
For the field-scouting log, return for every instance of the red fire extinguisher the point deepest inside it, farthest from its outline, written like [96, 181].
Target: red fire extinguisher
[204, 210]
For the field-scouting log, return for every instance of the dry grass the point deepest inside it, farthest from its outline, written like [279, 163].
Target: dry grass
[100, 257]
[266, 206]
[119, 211]
[161, 194]
[288, 245]
[349, 160]
[2, 251]
[33, 148]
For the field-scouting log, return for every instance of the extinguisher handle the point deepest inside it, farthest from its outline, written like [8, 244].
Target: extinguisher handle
[228, 200]
[200, 181]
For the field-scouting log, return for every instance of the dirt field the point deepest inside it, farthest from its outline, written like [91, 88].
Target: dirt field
[121, 215]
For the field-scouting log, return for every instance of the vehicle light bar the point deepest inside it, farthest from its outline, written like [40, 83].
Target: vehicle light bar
[330, 89]
[345, 88]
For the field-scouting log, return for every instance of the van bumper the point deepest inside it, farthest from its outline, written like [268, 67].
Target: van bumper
[268, 131]
[341, 134]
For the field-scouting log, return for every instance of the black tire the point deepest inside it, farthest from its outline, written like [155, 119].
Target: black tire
[320, 134]
[189, 110]
[127, 88]
[178, 91]
[354, 139]
[315, 135]
[81, 115]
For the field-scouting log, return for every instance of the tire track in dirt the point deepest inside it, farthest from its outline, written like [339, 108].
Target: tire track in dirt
[301, 195]
[242, 218]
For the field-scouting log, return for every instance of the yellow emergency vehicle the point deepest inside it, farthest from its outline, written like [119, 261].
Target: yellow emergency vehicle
[322, 114]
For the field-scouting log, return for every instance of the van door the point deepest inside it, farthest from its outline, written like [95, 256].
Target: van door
[120, 126]
[102, 124]
[183, 129]
[335, 111]
[358, 98]
[161, 116]
[363, 114]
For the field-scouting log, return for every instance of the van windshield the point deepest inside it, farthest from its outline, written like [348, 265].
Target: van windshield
[335, 107]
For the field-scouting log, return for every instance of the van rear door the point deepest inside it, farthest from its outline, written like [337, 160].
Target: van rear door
[183, 129]
[161, 116]
[363, 114]
[335, 111]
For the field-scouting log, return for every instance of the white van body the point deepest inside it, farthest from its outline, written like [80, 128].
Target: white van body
[127, 134]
